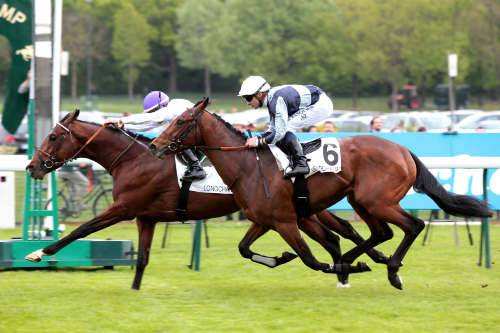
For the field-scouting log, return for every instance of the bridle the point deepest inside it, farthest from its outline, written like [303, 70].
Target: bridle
[175, 144]
[53, 161]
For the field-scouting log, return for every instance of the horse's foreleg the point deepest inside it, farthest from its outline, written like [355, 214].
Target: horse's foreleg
[329, 241]
[253, 233]
[345, 229]
[112, 215]
[290, 233]
[146, 231]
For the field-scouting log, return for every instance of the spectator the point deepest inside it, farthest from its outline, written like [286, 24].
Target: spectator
[399, 128]
[329, 127]
[376, 124]
[422, 129]
[312, 129]
[78, 182]
[24, 87]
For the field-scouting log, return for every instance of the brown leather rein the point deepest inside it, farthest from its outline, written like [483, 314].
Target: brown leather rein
[54, 162]
[176, 143]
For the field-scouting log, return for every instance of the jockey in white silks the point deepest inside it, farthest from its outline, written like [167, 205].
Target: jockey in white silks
[291, 107]
[159, 111]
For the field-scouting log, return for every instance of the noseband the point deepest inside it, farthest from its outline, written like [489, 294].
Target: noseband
[175, 144]
[52, 160]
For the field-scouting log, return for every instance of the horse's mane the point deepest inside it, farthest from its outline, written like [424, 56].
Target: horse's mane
[229, 126]
[132, 134]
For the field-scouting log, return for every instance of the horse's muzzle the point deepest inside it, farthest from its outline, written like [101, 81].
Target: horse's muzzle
[155, 151]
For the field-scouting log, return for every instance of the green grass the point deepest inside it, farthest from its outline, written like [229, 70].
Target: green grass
[444, 291]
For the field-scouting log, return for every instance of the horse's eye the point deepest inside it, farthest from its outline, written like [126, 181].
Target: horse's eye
[180, 122]
[52, 137]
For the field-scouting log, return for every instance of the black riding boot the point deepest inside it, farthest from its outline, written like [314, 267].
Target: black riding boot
[194, 170]
[292, 147]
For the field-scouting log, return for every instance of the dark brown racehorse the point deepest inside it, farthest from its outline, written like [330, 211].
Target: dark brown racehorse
[146, 188]
[376, 174]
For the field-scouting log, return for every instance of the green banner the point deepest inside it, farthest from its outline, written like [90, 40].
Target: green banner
[15, 24]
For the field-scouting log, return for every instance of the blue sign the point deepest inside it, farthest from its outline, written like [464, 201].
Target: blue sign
[460, 181]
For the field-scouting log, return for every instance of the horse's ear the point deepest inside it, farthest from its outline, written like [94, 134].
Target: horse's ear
[74, 115]
[201, 105]
[204, 103]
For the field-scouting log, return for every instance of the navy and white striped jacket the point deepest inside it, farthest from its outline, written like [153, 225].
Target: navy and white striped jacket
[283, 102]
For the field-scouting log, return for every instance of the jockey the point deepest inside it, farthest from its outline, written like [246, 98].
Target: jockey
[159, 111]
[291, 107]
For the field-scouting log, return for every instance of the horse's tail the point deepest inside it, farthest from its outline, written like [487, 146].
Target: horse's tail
[451, 203]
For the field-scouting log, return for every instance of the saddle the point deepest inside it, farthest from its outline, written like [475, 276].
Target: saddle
[310, 146]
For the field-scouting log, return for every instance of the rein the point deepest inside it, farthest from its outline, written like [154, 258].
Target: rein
[53, 161]
[221, 148]
[176, 143]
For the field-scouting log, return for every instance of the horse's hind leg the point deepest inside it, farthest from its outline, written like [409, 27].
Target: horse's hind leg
[380, 232]
[345, 229]
[146, 231]
[411, 227]
[253, 233]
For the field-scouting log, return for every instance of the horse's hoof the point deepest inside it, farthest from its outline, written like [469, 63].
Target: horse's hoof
[35, 256]
[381, 258]
[362, 267]
[343, 285]
[286, 257]
[343, 278]
[396, 281]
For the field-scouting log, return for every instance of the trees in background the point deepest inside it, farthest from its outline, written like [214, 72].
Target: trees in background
[197, 20]
[130, 46]
[482, 22]
[341, 45]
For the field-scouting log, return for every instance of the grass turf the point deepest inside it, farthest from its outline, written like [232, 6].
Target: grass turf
[444, 290]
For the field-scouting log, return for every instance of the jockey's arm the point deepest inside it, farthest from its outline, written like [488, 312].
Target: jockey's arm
[279, 123]
[143, 121]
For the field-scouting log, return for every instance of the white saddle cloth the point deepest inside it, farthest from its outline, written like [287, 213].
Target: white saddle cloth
[211, 184]
[326, 158]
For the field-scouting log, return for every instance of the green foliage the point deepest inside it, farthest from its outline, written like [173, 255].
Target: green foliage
[131, 36]
[196, 21]
[331, 43]
[482, 22]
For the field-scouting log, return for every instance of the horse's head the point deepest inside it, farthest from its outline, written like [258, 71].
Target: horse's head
[59, 146]
[181, 133]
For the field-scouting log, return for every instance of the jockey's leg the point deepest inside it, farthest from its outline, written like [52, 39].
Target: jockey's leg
[194, 170]
[292, 147]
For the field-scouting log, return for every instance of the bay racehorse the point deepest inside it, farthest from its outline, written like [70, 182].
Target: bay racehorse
[376, 174]
[146, 188]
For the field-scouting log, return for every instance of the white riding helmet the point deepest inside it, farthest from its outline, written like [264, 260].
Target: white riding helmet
[252, 85]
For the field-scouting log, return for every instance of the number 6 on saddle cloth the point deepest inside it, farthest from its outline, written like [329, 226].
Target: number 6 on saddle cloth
[323, 155]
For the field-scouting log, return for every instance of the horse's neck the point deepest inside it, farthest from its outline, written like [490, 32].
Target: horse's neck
[232, 166]
[107, 146]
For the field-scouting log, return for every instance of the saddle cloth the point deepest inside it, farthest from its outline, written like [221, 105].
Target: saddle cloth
[323, 155]
[211, 184]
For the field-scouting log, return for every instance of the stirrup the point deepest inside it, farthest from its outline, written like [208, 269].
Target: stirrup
[191, 175]
[294, 173]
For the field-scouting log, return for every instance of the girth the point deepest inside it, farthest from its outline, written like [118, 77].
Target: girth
[301, 197]
[181, 210]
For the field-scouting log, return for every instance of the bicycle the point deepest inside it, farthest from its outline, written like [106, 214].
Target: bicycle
[98, 199]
